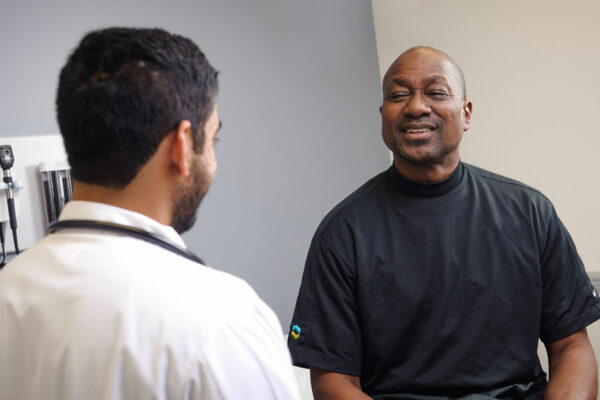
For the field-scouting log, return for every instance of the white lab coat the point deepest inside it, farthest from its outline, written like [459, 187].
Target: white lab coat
[98, 315]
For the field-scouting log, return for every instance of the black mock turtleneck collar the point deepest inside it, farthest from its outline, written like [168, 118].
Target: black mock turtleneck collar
[417, 189]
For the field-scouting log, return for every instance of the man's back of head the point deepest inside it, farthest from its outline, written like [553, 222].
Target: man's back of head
[121, 92]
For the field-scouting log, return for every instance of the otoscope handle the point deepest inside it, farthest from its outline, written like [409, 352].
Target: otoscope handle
[11, 213]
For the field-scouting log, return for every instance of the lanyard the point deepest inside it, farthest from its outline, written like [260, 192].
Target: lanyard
[123, 229]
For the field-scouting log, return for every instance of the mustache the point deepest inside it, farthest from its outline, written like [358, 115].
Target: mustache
[423, 124]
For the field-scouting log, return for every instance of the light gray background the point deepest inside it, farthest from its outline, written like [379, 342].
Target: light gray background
[298, 100]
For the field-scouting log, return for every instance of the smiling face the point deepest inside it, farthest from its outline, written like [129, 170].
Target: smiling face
[424, 113]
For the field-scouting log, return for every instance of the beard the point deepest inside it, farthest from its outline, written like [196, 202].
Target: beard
[422, 152]
[427, 151]
[187, 199]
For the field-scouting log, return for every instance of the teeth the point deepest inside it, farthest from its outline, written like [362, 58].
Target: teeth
[418, 130]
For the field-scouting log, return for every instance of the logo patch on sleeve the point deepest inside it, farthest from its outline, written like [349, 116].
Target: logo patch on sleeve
[295, 332]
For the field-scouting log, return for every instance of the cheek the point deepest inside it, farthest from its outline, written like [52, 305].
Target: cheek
[210, 162]
[206, 164]
[389, 113]
[453, 119]
[388, 121]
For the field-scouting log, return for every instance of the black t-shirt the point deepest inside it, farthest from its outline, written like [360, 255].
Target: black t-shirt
[439, 289]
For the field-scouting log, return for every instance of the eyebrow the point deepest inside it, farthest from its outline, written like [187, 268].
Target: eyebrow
[428, 81]
[220, 125]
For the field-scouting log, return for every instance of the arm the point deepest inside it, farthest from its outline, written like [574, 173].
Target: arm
[327, 385]
[327, 313]
[573, 369]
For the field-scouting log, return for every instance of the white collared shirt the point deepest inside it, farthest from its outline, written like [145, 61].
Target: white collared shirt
[86, 314]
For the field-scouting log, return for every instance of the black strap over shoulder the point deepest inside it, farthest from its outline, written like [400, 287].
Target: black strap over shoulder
[125, 230]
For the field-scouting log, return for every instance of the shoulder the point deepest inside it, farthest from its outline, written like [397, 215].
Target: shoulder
[238, 339]
[214, 318]
[503, 186]
[144, 282]
[492, 178]
[217, 296]
[224, 302]
[355, 205]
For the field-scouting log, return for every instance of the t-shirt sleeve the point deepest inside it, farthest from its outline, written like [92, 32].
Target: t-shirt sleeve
[569, 300]
[325, 331]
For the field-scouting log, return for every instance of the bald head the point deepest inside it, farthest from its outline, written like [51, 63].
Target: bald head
[460, 79]
[424, 114]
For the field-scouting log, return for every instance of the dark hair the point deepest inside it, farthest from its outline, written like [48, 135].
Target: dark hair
[121, 92]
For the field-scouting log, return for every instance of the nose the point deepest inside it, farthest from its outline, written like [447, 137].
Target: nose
[417, 106]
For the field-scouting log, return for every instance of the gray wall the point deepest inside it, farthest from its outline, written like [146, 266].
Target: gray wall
[299, 98]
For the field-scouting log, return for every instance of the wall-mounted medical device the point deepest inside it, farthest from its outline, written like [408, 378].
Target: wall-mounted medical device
[57, 187]
[41, 185]
[7, 160]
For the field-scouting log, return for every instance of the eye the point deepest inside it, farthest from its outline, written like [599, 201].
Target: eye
[438, 94]
[216, 140]
[398, 96]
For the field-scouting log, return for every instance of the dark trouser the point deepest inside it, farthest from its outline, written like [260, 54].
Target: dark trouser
[522, 391]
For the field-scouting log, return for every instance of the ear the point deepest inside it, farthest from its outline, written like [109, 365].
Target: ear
[467, 109]
[182, 148]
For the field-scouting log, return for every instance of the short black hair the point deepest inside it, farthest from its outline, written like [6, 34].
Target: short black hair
[121, 92]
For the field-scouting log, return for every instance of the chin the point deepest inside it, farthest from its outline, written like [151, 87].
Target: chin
[415, 156]
[184, 225]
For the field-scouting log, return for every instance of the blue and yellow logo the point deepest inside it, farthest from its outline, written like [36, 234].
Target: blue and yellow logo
[295, 332]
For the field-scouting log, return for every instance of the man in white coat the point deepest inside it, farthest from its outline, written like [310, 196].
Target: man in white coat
[112, 305]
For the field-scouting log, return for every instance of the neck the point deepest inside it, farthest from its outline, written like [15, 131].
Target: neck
[131, 198]
[426, 173]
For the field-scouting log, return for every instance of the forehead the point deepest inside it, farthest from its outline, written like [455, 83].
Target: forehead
[419, 65]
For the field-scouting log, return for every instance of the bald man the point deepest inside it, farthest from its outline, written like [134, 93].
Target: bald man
[435, 279]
